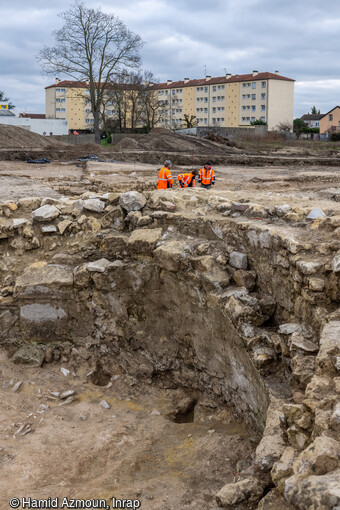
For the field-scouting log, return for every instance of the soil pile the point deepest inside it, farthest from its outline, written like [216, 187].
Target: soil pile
[156, 141]
[19, 138]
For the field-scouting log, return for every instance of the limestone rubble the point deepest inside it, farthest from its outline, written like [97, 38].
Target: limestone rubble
[200, 291]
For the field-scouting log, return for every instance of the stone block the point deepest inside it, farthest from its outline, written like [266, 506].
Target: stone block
[45, 213]
[132, 201]
[29, 355]
[98, 266]
[94, 205]
[238, 260]
[144, 240]
[249, 489]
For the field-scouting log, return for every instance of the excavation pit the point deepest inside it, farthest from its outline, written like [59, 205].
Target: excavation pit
[206, 325]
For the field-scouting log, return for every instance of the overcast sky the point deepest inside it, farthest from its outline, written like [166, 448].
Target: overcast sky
[300, 38]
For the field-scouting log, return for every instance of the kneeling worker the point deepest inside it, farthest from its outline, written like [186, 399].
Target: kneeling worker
[164, 176]
[187, 180]
[207, 176]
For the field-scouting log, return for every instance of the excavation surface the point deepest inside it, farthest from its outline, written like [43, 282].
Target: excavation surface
[130, 450]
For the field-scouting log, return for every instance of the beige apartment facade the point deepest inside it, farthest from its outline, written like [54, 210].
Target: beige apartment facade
[227, 101]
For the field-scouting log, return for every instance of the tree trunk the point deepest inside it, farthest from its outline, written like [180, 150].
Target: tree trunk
[96, 127]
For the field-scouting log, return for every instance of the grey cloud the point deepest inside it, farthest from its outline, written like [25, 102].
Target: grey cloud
[299, 39]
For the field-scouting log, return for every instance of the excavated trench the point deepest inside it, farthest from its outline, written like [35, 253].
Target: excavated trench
[220, 308]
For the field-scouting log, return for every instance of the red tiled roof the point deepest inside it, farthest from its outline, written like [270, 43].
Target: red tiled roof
[32, 115]
[191, 83]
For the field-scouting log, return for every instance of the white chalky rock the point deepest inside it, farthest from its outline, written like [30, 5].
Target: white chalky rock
[98, 266]
[19, 222]
[94, 204]
[336, 264]
[104, 404]
[316, 213]
[45, 213]
[132, 201]
[238, 260]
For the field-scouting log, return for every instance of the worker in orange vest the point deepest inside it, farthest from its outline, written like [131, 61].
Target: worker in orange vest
[206, 177]
[164, 176]
[187, 180]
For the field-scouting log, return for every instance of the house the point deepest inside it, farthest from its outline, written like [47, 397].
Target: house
[330, 122]
[312, 119]
[226, 101]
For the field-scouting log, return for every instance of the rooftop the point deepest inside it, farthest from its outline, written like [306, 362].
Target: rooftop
[188, 83]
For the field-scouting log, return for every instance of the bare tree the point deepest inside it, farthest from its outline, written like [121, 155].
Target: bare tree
[284, 126]
[93, 47]
[125, 97]
[190, 121]
[155, 109]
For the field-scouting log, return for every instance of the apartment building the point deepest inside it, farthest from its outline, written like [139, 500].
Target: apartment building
[227, 101]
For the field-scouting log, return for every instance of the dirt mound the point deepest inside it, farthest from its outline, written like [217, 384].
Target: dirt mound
[128, 143]
[165, 140]
[161, 131]
[19, 138]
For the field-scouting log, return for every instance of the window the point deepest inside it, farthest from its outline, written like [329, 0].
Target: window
[263, 96]
[263, 119]
[88, 110]
[317, 124]
[205, 99]
[108, 112]
[205, 121]
[197, 89]
[218, 98]
[173, 92]
[61, 90]
[222, 87]
[214, 88]
[263, 84]
[205, 110]
[89, 121]
[263, 107]
[253, 85]
[205, 89]
[214, 120]
[222, 119]
[166, 92]
[222, 97]
[173, 112]
[253, 119]
[63, 100]
[197, 109]
[214, 99]
[253, 96]
[253, 108]
[214, 110]
[330, 116]
[60, 109]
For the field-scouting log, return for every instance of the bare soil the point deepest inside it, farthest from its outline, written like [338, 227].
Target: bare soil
[130, 451]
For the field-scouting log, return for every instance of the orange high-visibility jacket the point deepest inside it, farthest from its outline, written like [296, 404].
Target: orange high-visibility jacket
[206, 176]
[164, 178]
[186, 180]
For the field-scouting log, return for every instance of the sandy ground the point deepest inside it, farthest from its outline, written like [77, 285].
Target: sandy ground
[131, 450]
[296, 185]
